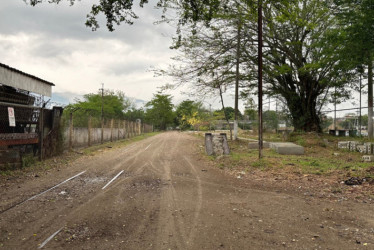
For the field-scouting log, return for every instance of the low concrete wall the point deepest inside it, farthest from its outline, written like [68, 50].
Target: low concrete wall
[80, 137]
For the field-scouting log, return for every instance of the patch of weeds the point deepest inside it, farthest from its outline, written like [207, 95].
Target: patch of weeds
[301, 141]
[210, 157]
[236, 156]
[314, 163]
[261, 164]
[221, 166]
[28, 161]
[6, 172]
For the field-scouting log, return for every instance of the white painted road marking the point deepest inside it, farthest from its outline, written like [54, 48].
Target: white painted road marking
[147, 147]
[56, 186]
[115, 177]
[50, 238]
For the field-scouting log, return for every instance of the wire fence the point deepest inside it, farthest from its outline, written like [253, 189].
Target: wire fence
[346, 121]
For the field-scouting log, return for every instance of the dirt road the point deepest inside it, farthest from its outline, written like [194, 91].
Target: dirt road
[159, 193]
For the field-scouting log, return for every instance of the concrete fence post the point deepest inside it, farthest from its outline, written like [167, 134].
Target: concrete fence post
[118, 128]
[71, 132]
[111, 129]
[127, 129]
[132, 129]
[89, 129]
[124, 130]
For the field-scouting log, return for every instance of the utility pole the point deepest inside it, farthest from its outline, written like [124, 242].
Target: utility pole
[260, 143]
[210, 116]
[370, 98]
[102, 113]
[276, 112]
[237, 82]
[335, 112]
[360, 119]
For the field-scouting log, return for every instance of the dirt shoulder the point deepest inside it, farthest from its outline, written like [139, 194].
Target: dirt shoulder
[324, 171]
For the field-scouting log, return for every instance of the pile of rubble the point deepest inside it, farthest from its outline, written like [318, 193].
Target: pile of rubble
[355, 146]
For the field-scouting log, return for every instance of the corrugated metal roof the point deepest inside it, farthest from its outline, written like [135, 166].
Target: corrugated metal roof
[25, 74]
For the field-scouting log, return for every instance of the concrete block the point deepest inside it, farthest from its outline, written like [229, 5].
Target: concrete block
[216, 144]
[225, 144]
[353, 145]
[369, 147]
[209, 143]
[343, 144]
[274, 145]
[368, 158]
[288, 148]
[254, 145]
[362, 149]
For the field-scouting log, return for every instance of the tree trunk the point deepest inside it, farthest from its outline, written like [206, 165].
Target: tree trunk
[304, 113]
[223, 107]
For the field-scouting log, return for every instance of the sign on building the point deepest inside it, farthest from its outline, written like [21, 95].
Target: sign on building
[12, 118]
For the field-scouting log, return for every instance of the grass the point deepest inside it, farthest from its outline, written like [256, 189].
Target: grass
[322, 157]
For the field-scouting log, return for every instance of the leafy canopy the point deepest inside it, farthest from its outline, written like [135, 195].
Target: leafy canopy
[160, 111]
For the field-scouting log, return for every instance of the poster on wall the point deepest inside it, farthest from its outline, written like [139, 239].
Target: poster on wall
[12, 118]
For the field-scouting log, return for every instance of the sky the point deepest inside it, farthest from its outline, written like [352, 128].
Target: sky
[52, 42]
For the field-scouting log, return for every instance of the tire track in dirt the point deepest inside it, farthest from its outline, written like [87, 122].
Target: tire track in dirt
[199, 202]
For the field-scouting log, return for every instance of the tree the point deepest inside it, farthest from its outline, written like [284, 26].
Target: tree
[159, 111]
[299, 65]
[230, 113]
[114, 106]
[133, 114]
[189, 113]
[270, 119]
[119, 11]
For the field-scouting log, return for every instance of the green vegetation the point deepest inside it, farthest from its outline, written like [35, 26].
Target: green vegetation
[320, 159]
[160, 111]
[115, 106]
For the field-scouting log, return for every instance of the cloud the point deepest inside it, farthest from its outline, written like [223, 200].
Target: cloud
[51, 41]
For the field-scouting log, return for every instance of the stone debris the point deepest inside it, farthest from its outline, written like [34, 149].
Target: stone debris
[343, 145]
[367, 158]
[355, 146]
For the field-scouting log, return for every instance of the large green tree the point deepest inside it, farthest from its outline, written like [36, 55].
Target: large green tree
[114, 105]
[159, 111]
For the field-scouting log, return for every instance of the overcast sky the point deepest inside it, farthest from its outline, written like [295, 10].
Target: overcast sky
[51, 42]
